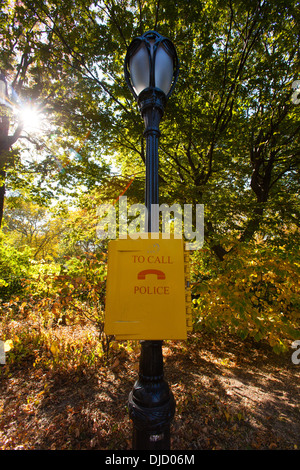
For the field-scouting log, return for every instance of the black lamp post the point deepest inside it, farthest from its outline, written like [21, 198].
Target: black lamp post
[151, 70]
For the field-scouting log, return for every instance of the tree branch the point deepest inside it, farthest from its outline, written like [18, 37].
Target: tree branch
[12, 139]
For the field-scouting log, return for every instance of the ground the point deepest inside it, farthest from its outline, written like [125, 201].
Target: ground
[230, 394]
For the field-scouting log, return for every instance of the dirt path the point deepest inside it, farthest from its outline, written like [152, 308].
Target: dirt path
[229, 394]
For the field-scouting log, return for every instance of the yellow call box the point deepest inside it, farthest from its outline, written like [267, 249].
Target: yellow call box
[147, 294]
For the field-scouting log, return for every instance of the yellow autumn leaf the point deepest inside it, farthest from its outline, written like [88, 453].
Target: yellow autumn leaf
[8, 345]
[54, 349]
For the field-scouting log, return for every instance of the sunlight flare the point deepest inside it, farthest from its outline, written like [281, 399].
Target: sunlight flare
[31, 117]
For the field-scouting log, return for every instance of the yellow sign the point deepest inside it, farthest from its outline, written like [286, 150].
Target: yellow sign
[147, 289]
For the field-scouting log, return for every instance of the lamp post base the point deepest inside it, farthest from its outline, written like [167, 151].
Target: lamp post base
[145, 441]
[151, 403]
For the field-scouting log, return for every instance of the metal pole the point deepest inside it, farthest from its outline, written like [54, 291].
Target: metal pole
[151, 403]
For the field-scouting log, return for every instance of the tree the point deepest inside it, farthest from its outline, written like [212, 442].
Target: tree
[230, 130]
[42, 70]
[230, 134]
[6, 141]
[31, 225]
[235, 144]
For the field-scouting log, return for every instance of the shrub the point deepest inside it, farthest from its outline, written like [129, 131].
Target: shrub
[255, 292]
[14, 267]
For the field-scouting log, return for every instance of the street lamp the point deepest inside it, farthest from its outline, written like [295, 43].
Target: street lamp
[151, 71]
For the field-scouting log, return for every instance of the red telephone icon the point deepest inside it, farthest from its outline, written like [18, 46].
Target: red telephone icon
[143, 274]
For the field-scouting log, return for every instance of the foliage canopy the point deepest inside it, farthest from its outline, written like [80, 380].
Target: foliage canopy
[230, 134]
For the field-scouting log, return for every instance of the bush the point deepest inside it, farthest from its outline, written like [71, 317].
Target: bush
[255, 292]
[14, 267]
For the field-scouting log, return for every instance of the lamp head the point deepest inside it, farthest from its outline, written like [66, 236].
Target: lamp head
[151, 62]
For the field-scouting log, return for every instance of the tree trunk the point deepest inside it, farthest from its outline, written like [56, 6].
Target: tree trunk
[4, 147]
[2, 194]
